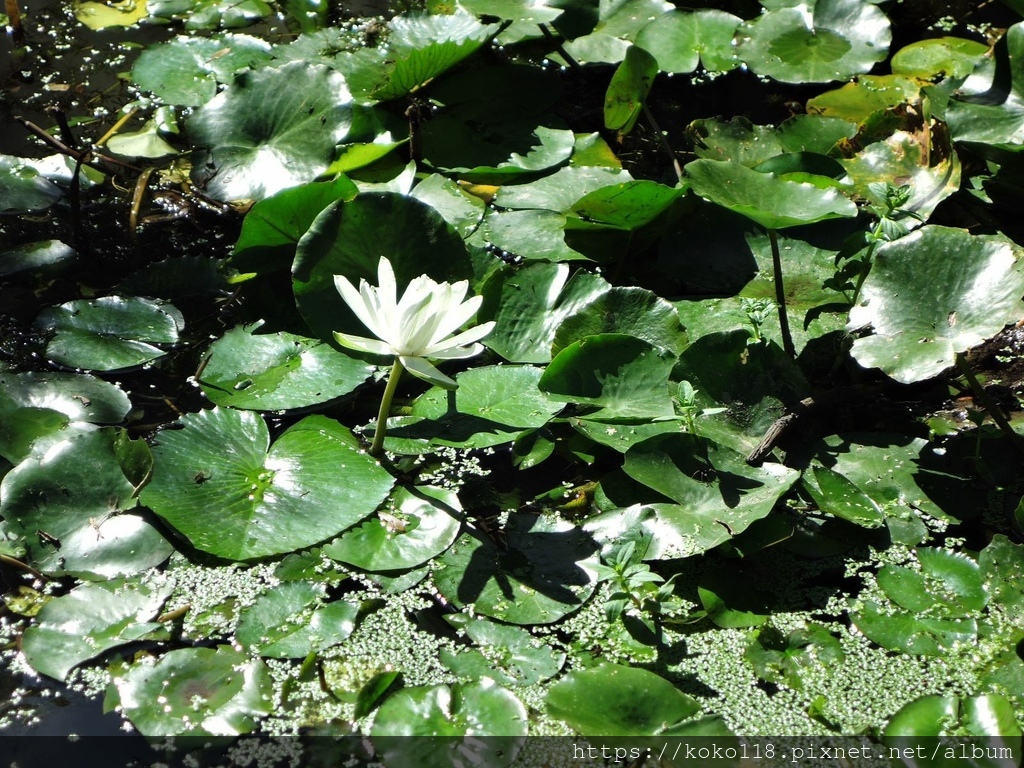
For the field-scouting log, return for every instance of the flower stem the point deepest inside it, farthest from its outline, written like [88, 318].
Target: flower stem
[385, 407]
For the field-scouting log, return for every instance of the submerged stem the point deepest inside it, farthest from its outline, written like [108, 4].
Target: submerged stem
[385, 408]
[780, 295]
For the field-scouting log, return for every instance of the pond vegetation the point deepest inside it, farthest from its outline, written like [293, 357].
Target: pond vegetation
[736, 440]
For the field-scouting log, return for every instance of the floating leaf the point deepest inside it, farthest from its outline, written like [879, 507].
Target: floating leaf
[560, 190]
[528, 306]
[628, 89]
[22, 188]
[909, 633]
[947, 585]
[90, 620]
[544, 571]
[622, 375]
[460, 209]
[289, 622]
[196, 692]
[836, 495]
[633, 311]
[772, 202]
[508, 655]
[531, 235]
[952, 57]
[111, 333]
[186, 70]
[414, 526]
[971, 290]
[816, 42]
[120, 13]
[680, 39]
[210, 14]
[989, 716]
[274, 371]
[645, 704]
[70, 500]
[312, 484]
[779, 658]
[271, 128]
[43, 256]
[629, 206]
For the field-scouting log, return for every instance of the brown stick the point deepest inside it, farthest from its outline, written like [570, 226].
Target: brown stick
[64, 149]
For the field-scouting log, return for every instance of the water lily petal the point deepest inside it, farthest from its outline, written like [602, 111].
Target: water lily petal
[387, 286]
[458, 353]
[441, 349]
[421, 369]
[362, 344]
[455, 318]
[356, 301]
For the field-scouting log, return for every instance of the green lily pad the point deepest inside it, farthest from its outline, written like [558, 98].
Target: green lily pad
[972, 289]
[719, 494]
[481, 709]
[680, 39]
[995, 113]
[89, 621]
[210, 14]
[1002, 563]
[460, 209]
[532, 235]
[816, 42]
[990, 716]
[948, 585]
[275, 371]
[348, 238]
[501, 153]
[629, 206]
[544, 570]
[952, 57]
[423, 46]
[492, 405]
[311, 485]
[196, 692]
[628, 89]
[271, 128]
[507, 655]
[186, 70]
[121, 13]
[111, 333]
[836, 495]
[909, 633]
[633, 311]
[645, 704]
[611, 25]
[23, 188]
[43, 256]
[736, 140]
[857, 101]
[560, 190]
[291, 621]
[412, 527]
[79, 397]
[779, 658]
[772, 202]
[621, 375]
[178, 278]
[71, 502]
[528, 305]
[730, 601]
[531, 11]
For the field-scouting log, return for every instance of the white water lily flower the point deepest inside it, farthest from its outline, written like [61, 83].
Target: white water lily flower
[417, 326]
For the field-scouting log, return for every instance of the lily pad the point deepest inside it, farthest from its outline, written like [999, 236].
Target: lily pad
[121, 13]
[532, 235]
[412, 527]
[779, 658]
[989, 716]
[210, 14]
[507, 655]
[621, 375]
[909, 633]
[111, 333]
[645, 704]
[528, 305]
[972, 289]
[89, 621]
[80, 397]
[43, 256]
[196, 692]
[275, 371]
[460, 209]
[544, 570]
[718, 494]
[186, 70]
[291, 621]
[633, 311]
[680, 39]
[836, 495]
[952, 57]
[271, 128]
[817, 41]
[948, 585]
[349, 238]
[22, 188]
[772, 202]
[560, 190]
[501, 153]
[273, 227]
[311, 485]
[71, 503]
[628, 89]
